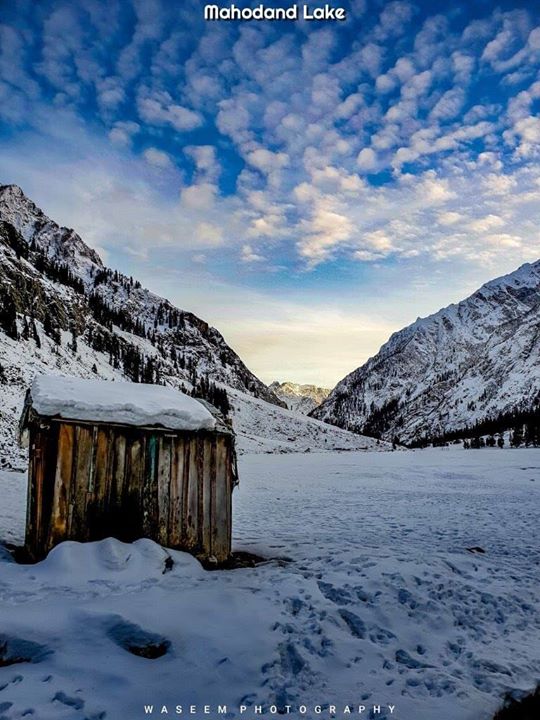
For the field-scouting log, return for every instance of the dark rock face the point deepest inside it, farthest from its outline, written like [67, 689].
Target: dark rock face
[526, 708]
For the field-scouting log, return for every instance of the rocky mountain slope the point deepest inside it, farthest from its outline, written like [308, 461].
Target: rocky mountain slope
[69, 272]
[467, 363]
[301, 398]
[62, 311]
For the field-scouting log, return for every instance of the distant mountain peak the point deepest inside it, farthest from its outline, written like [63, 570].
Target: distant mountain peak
[302, 398]
[59, 242]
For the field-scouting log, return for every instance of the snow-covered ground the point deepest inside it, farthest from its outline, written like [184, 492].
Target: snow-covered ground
[380, 603]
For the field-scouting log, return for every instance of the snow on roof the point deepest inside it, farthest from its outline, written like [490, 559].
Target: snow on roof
[118, 402]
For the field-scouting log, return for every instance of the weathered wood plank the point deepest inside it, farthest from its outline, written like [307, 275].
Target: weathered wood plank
[62, 479]
[221, 537]
[213, 495]
[34, 496]
[81, 482]
[102, 483]
[118, 469]
[205, 481]
[163, 488]
[176, 492]
[200, 494]
[149, 488]
[133, 526]
[185, 494]
[192, 514]
[49, 447]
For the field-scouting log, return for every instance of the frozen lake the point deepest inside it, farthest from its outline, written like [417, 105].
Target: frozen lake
[381, 603]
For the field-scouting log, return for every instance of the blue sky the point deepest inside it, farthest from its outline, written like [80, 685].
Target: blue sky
[308, 188]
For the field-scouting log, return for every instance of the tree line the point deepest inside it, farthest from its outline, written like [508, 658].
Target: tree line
[523, 425]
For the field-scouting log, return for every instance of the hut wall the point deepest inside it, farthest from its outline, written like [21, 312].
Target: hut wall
[90, 481]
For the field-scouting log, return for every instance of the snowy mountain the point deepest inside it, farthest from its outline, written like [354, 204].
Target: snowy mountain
[301, 398]
[466, 364]
[62, 311]
[265, 428]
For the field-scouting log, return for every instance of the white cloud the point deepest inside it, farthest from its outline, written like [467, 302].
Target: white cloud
[249, 256]
[525, 135]
[375, 245]
[484, 224]
[122, 133]
[110, 94]
[449, 217]
[463, 65]
[326, 229]
[234, 119]
[510, 46]
[267, 161]
[207, 167]
[182, 118]
[159, 109]
[505, 240]
[201, 196]
[367, 159]
[208, 235]
[157, 158]
[435, 191]
[393, 19]
[429, 141]
[496, 184]
[385, 83]
[533, 41]
[449, 105]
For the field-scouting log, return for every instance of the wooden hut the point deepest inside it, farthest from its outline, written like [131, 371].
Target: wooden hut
[127, 460]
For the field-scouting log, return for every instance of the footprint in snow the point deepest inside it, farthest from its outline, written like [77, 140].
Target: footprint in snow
[355, 624]
[135, 639]
[406, 598]
[74, 702]
[291, 661]
[363, 596]
[338, 596]
[403, 657]
[296, 604]
[14, 650]
[381, 636]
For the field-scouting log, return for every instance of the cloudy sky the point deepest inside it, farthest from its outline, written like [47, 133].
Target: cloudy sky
[308, 188]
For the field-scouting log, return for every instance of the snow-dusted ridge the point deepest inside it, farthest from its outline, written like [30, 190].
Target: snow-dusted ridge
[470, 361]
[73, 316]
[264, 428]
